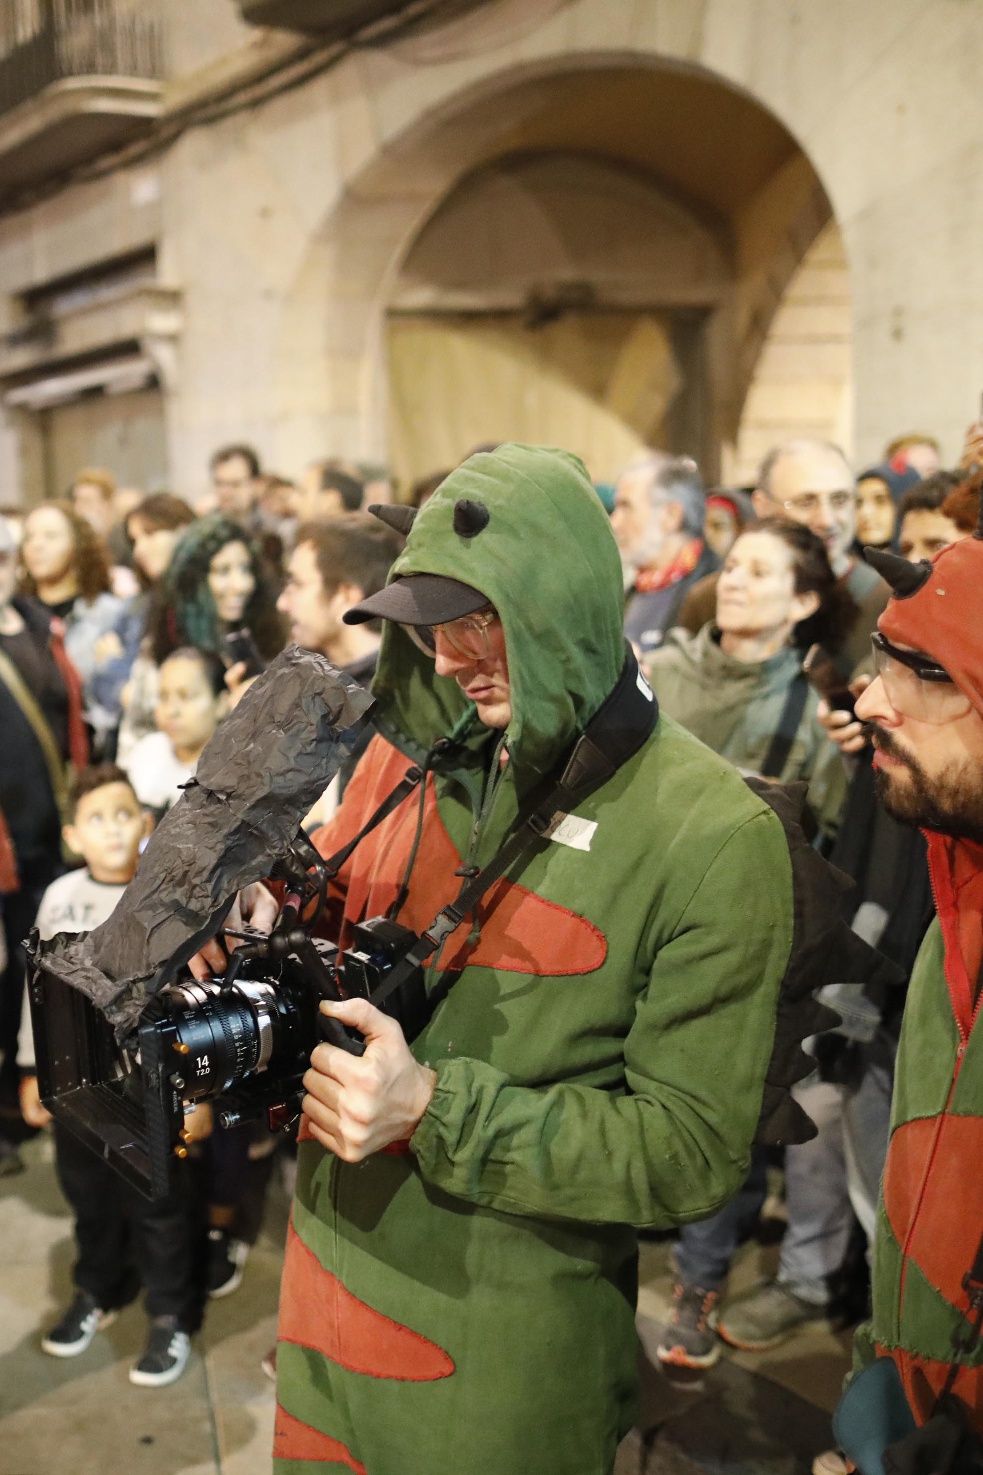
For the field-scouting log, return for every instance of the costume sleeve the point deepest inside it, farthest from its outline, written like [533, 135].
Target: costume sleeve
[675, 1145]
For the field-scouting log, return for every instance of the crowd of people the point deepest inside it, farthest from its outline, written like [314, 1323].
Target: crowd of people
[116, 667]
[129, 625]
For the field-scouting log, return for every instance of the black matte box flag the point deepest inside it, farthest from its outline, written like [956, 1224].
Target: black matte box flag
[267, 764]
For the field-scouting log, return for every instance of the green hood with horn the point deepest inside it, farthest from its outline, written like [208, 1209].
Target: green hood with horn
[548, 562]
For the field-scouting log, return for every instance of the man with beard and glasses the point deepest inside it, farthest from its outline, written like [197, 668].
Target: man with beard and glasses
[924, 715]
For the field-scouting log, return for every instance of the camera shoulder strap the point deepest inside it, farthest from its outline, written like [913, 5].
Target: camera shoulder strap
[618, 729]
[411, 778]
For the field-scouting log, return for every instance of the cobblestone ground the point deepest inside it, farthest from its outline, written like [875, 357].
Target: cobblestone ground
[82, 1416]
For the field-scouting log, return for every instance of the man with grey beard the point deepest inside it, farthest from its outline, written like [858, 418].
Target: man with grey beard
[658, 518]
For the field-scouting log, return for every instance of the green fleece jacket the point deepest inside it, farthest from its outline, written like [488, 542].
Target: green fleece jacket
[465, 1302]
[735, 707]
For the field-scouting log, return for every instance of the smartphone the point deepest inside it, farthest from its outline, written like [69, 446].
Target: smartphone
[825, 677]
[240, 646]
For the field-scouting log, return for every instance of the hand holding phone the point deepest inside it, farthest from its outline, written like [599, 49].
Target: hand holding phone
[240, 648]
[825, 677]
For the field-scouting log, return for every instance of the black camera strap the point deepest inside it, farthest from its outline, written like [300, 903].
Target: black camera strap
[618, 729]
[411, 778]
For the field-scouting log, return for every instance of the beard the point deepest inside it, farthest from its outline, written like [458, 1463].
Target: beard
[950, 802]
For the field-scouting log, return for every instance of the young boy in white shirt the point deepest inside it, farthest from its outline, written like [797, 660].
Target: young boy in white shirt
[123, 1241]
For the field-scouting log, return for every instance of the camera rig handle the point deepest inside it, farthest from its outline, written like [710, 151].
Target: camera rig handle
[323, 981]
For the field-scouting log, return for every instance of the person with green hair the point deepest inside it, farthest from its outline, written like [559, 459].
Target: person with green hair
[215, 583]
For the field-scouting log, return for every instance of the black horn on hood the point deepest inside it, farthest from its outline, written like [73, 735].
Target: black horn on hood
[470, 517]
[395, 515]
[904, 578]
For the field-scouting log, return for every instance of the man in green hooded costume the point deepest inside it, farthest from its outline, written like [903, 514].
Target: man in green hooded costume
[460, 1279]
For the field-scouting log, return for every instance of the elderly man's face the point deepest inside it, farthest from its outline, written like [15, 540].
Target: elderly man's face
[814, 486]
[639, 525]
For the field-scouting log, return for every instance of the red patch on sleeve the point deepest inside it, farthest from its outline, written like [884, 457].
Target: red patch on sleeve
[294, 1440]
[317, 1311]
[933, 1198]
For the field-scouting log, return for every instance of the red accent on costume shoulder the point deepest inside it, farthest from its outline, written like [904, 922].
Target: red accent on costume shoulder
[317, 1311]
[943, 1221]
[520, 931]
[956, 869]
[923, 1379]
[294, 1440]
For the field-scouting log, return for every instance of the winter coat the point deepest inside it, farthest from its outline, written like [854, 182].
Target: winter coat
[465, 1301]
[736, 707]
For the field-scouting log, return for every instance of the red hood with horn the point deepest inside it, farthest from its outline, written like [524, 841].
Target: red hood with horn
[937, 608]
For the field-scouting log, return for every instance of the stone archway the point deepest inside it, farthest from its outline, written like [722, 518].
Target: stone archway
[802, 379]
[702, 146]
[553, 297]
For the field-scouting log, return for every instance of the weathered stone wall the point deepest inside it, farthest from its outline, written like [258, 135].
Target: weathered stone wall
[286, 225]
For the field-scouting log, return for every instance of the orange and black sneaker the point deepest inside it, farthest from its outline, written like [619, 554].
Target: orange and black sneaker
[690, 1338]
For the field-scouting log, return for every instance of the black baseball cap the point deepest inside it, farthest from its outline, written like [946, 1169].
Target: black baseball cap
[419, 599]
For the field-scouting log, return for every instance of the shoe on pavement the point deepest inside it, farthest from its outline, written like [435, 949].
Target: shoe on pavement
[165, 1356]
[74, 1332]
[831, 1462]
[226, 1258]
[766, 1316]
[689, 1338]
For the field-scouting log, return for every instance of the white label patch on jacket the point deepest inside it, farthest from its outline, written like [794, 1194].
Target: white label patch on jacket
[569, 829]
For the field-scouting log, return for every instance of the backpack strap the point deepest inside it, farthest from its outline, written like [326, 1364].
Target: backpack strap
[824, 950]
[31, 709]
[789, 723]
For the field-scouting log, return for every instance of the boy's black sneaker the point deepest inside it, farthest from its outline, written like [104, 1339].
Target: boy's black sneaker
[165, 1356]
[226, 1258]
[76, 1329]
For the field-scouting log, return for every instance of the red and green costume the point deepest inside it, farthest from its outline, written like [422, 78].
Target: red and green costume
[931, 1215]
[465, 1302]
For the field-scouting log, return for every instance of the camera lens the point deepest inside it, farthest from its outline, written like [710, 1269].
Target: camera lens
[228, 1034]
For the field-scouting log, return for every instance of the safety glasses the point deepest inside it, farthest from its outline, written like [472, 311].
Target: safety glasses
[916, 686]
[467, 636]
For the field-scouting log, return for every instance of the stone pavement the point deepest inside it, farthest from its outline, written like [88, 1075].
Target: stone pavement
[766, 1415]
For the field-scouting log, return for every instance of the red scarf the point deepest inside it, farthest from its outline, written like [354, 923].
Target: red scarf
[78, 737]
[650, 581]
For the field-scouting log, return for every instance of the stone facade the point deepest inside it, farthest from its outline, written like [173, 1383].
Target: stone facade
[827, 150]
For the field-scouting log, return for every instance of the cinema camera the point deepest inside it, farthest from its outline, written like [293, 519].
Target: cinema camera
[125, 1035]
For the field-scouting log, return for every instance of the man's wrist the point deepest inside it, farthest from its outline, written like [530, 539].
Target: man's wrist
[426, 1085]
